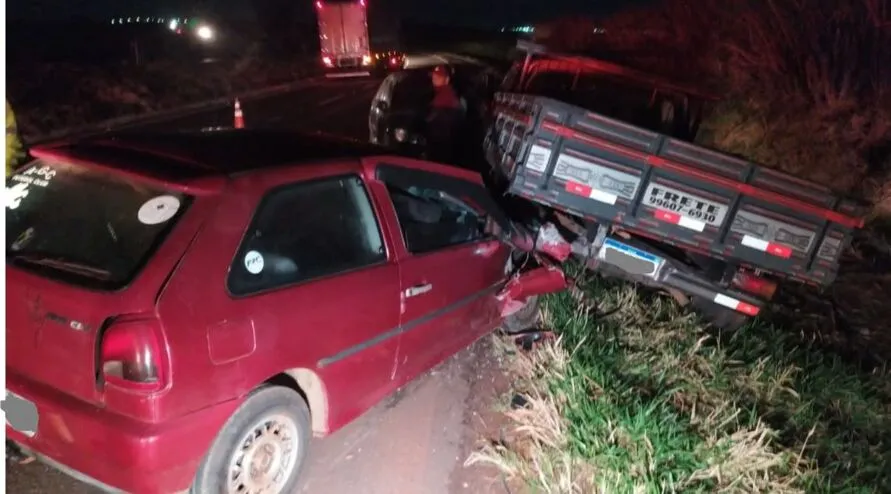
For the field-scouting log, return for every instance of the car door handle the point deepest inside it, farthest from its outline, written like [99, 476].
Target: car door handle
[418, 290]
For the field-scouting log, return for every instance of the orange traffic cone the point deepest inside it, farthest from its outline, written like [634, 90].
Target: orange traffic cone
[239, 116]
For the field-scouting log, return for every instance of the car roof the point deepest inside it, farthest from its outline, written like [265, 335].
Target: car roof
[183, 156]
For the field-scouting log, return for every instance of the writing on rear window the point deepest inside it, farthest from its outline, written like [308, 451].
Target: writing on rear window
[678, 201]
[17, 190]
[599, 177]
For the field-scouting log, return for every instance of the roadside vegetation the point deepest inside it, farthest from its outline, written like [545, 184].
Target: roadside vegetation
[636, 395]
[49, 98]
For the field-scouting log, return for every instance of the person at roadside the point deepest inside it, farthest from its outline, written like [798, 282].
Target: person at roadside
[444, 118]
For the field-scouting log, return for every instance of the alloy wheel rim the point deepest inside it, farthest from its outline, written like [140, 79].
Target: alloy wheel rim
[265, 457]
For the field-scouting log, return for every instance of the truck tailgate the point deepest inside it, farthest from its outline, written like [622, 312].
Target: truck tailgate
[695, 198]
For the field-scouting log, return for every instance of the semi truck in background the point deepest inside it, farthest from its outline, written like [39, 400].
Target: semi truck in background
[343, 38]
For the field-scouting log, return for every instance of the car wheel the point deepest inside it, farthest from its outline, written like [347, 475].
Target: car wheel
[262, 447]
[529, 317]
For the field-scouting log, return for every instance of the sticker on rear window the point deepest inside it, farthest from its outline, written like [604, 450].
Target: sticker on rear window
[253, 262]
[15, 194]
[157, 210]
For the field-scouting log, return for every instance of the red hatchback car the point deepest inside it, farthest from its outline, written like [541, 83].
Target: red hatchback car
[184, 311]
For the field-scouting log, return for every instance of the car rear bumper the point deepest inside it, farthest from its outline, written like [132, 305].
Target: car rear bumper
[112, 452]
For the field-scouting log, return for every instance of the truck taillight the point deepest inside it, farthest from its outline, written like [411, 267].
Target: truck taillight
[754, 284]
[131, 356]
[327, 61]
[366, 59]
[319, 5]
[362, 2]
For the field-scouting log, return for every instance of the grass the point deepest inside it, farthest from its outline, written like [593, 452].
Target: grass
[647, 399]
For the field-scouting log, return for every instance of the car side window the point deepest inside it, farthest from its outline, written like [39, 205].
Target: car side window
[305, 231]
[432, 219]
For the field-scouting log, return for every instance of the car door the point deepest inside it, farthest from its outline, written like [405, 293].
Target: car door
[293, 273]
[449, 267]
[380, 105]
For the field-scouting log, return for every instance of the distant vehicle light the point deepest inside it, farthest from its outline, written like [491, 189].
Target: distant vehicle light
[366, 59]
[362, 2]
[318, 5]
[394, 61]
[173, 25]
[327, 61]
[205, 33]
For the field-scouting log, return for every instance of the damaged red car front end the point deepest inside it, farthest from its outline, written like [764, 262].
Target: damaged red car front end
[526, 284]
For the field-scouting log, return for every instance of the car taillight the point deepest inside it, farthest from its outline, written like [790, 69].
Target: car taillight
[327, 61]
[132, 356]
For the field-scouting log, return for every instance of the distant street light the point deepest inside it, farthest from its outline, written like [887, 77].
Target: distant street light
[205, 33]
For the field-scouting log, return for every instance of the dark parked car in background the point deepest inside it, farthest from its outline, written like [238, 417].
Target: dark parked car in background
[397, 117]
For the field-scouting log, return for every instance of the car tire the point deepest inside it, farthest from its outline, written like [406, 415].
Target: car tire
[525, 319]
[258, 427]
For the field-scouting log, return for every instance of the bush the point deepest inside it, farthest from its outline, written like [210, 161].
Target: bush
[806, 86]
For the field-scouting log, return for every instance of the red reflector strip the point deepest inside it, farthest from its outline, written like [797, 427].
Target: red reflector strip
[578, 189]
[737, 305]
[771, 248]
[676, 219]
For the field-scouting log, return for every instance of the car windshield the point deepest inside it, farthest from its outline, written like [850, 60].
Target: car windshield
[85, 226]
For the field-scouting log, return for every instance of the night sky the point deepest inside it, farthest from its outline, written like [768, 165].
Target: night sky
[463, 12]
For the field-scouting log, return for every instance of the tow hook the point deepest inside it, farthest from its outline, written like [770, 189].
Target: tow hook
[538, 281]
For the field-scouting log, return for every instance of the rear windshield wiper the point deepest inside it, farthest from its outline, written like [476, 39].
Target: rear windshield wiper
[63, 265]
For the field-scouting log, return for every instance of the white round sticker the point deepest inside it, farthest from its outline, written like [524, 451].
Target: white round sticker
[157, 210]
[253, 262]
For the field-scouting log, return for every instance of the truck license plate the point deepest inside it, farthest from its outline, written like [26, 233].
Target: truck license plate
[21, 414]
[630, 259]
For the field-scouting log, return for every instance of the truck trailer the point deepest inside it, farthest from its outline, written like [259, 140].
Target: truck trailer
[343, 38]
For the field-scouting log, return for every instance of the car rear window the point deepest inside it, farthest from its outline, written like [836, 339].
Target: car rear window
[86, 226]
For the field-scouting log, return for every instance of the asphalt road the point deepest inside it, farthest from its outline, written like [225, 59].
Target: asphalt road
[338, 106]
[413, 443]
